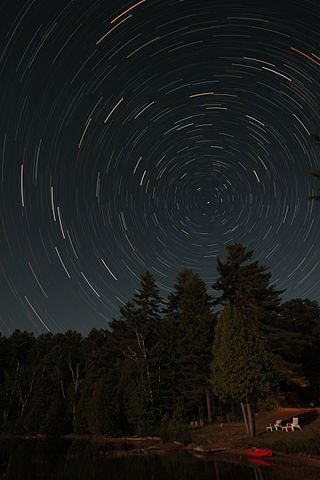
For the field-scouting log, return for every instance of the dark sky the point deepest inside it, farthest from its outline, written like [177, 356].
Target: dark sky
[147, 136]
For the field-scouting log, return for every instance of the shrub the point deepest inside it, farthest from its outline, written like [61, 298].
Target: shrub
[172, 430]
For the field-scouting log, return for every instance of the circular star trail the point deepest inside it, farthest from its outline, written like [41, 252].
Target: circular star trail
[147, 136]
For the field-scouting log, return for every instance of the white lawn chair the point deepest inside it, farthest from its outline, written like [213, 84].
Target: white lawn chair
[293, 425]
[274, 426]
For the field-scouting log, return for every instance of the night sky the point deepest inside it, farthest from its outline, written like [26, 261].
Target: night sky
[147, 136]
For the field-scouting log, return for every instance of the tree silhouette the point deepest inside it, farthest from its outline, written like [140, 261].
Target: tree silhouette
[315, 173]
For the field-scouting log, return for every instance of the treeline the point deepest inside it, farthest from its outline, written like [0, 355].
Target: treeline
[166, 362]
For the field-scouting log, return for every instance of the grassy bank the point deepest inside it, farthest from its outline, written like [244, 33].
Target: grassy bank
[233, 436]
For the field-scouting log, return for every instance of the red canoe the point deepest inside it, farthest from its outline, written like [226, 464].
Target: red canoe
[259, 452]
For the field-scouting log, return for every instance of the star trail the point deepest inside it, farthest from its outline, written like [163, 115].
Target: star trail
[147, 136]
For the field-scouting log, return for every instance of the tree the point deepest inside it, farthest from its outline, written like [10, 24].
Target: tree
[98, 410]
[56, 421]
[147, 299]
[66, 368]
[43, 389]
[315, 173]
[188, 337]
[299, 319]
[241, 369]
[246, 285]
[19, 375]
[135, 340]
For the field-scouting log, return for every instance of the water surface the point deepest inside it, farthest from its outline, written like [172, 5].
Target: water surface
[64, 459]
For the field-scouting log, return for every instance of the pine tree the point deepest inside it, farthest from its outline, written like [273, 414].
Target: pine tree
[190, 326]
[147, 299]
[315, 173]
[246, 285]
[136, 335]
[42, 390]
[56, 421]
[99, 408]
[242, 370]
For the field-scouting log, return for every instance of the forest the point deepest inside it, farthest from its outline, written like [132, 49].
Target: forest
[195, 356]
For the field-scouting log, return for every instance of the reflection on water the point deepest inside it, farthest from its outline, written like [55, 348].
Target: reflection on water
[62, 459]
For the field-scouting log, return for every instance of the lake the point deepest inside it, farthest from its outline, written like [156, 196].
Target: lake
[65, 459]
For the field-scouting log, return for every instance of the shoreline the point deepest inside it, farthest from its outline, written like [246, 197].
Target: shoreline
[153, 444]
[289, 466]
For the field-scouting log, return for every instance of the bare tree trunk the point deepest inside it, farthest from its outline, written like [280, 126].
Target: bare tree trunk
[62, 388]
[251, 421]
[9, 394]
[5, 415]
[23, 398]
[76, 381]
[244, 414]
[144, 354]
[209, 409]
[75, 374]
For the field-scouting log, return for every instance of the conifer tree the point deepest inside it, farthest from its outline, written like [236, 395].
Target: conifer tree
[147, 299]
[136, 335]
[315, 173]
[99, 408]
[242, 370]
[245, 284]
[191, 323]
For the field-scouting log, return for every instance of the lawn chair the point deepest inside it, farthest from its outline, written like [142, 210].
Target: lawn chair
[293, 425]
[274, 426]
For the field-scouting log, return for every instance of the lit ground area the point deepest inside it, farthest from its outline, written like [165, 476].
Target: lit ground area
[234, 435]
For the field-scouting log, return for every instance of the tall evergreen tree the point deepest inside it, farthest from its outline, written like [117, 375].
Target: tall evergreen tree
[242, 369]
[147, 299]
[315, 173]
[43, 389]
[99, 408]
[135, 334]
[190, 322]
[245, 284]
[66, 358]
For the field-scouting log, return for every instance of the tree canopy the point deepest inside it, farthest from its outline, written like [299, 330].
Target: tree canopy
[166, 361]
[245, 284]
[242, 369]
